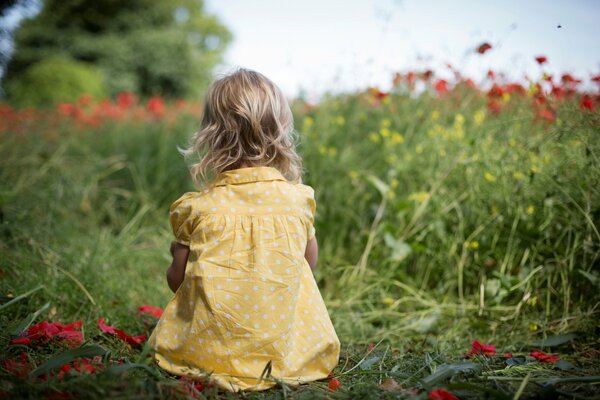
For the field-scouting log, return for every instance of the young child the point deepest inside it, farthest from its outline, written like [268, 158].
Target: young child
[245, 298]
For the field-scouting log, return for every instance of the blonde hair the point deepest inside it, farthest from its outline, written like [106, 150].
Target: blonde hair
[247, 122]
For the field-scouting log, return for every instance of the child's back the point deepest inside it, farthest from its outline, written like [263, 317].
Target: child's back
[248, 296]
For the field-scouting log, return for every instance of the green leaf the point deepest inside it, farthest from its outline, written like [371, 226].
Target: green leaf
[564, 365]
[446, 371]
[68, 356]
[369, 362]
[379, 184]
[400, 249]
[554, 340]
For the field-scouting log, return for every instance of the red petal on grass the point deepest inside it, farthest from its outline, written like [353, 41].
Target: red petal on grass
[154, 311]
[135, 340]
[334, 384]
[541, 59]
[74, 338]
[17, 367]
[544, 357]
[481, 348]
[21, 340]
[441, 394]
[106, 328]
[483, 47]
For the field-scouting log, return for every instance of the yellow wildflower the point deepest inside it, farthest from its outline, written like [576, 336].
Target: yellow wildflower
[479, 117]
[332, 151]
[442, 153]
[518, 175]
[308, 122]
[419, 149]
[530, 210]
[419, 197]
[473, 245]
[391, 158]
[512, 142]
[495, 210]
[435, 115]
[459, 119]
[353, 174]
[397, 138]
[388, 301]
[533, 327]
[384, 132]
[505, 97]
[339, 120]
[322, 150]
[385, 123]
[374, 137]
[391, 195]
[394, 183]
[489, 177]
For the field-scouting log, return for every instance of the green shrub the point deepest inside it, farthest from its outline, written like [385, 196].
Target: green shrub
[54, 80]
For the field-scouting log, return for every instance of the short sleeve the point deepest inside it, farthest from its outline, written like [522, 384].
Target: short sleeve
[310, 208]
[183, 218]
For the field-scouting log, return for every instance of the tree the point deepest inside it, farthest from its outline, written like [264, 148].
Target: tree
[146, 46]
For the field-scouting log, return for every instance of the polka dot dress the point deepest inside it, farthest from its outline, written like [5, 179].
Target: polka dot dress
[248, 297]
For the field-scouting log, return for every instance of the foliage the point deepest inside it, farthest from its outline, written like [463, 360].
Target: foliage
[135, 43]
[55, 80]
[443, 217]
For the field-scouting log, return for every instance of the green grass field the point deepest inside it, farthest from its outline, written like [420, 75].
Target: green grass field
[440, 221]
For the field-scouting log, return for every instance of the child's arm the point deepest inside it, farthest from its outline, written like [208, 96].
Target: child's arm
[176, 271]
[312, 252]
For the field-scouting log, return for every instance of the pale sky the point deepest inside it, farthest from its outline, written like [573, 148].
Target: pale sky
[336, 45]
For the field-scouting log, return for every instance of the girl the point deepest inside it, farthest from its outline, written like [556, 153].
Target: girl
[246, 302]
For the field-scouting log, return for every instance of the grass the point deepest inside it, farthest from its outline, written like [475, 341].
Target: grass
[438, 222]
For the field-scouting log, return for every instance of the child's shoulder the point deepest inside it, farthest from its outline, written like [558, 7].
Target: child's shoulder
[188, 200]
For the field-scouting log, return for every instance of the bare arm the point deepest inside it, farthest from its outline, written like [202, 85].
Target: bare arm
[312, 252]
[176, 271]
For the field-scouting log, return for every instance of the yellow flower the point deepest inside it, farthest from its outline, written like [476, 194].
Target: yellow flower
[459, 119]
[388, 301]
[505, 97]
[512, 142]
[397, 138]
[530, 210]
[419, 197]
[386, 100]
[459, 132]
[394, 183]
[495, 210]
[322, 150]
[473, 245]
[353, 174]
[332, 151]
[419, 149]
[391, 195]
[374, 137]
[391, 158]
[479, 117]
[442, 153]
[519, 176]
[385, 123]
[435, 115]
[489, 177]
[385, 132]
[533, 327]
[308, 122]
[339, 120]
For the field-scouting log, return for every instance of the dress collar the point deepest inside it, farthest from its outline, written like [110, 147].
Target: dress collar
[246, 175]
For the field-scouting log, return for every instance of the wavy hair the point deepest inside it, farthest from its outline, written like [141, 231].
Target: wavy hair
[247, 122]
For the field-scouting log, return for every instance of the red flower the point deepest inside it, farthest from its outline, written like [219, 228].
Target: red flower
[569, 79]
[496, 91]
[133, 340]
[491, 74]
[494, 107]
[334, 384]
[596, 78]
[508, 355]
[191, 387]
[126, 99]
[543, 357]
[45, 331]
[546, 114]
[85, 100]
[515, 88]
[541, 59]
[441, 394]
[156, 106]
[154, 311]
[482, 48]
[586, 103]
[441, 86]
[17, 367]
[480, 348]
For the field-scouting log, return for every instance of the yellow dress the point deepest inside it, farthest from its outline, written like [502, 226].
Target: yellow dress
[248, 297]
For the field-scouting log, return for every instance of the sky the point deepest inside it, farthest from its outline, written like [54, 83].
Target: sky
[312, 46]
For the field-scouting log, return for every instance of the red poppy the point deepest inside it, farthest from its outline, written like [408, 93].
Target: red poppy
[482, 48]
[126, 99]
[546, 114]
[496, 91]
[441, 394]
[441, 86]
[480, 348]
[544, 357]
[491, 74]
[515, 88]
[587, 103]
[334, 384]
[156, 106]
[132, 340]
[596, 78]
[569, 79]
[494, 107]
[410, 79]
[17, 367]
[45, 331]
[85, 100]
[508, 355]
[151, 310]
[541, 59]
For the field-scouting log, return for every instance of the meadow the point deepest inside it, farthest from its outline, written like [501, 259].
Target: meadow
[457, 224]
